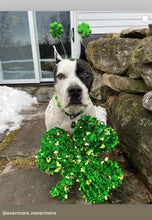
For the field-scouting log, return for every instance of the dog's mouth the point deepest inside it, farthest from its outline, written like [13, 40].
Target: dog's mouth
[74, 101]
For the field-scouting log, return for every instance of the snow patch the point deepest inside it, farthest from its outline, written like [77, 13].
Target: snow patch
[12, 103]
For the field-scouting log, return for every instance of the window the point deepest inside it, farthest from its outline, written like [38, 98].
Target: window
[16, 60]
[46, 41]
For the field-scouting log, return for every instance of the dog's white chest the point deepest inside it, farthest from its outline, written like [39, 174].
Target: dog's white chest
[54, 117]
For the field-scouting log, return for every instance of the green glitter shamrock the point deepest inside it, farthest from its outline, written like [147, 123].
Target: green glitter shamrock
[56, 30]
[84, 30]
[77, 160]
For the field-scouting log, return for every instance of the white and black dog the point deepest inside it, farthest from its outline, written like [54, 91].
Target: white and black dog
[73, 81]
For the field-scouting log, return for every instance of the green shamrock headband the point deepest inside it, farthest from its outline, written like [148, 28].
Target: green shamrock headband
[84, 30]
[77, 159]
[56, 30]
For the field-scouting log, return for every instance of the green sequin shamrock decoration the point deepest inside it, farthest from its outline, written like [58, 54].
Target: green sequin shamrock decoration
[77, 159]
[84, 30]
[56, 30]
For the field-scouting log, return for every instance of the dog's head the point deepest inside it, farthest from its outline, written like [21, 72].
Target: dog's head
[73, 79]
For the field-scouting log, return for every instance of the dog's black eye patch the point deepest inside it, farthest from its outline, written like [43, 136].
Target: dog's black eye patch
[83, 71]
[85, 74]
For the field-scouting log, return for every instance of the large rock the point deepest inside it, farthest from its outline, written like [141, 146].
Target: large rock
[132, 73]
[111, 55]
[119, 83]
[134, 126]
[99, 91]
[149, 30]
[147, 101]
[97, 84]
[134, 32]
[142, 60]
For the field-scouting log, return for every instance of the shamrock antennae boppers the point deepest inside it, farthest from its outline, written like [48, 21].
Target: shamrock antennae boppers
[84, 30]
[77, 160]
[56, 30]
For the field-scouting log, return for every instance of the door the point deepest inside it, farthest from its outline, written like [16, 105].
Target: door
[46, 41]
[26, 46]
[16, 56]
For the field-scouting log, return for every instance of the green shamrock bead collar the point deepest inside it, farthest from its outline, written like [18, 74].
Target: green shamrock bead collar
[78, 160]
[72, 116]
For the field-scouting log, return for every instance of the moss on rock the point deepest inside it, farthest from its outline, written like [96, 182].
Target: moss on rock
[141, 60]
[111, 54]
[134, 126]
[119, 83]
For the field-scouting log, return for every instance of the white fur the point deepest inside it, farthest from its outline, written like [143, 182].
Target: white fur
[68, 67]
[55, 118]
[53, 115]
[101, 114]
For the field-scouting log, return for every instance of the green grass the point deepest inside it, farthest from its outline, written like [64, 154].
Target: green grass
[9, 139]
[3, 163]
[25, 163]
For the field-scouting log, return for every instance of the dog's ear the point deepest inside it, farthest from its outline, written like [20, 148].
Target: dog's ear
[57, 56]
[83, 53]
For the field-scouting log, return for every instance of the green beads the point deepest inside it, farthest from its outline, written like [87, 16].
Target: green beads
[59, 104]
[81, 111]
[63, 111]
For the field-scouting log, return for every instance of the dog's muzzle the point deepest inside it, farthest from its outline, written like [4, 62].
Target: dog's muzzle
[75, 94]
[75, 91]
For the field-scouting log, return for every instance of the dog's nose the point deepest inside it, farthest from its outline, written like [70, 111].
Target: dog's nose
[74, 90]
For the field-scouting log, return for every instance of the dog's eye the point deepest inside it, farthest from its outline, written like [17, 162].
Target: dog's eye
[61, 76]
[85, 74]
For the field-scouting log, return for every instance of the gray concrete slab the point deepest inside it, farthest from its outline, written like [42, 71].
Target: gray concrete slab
[28, 141]
[35, 113]
[27, 186]
[29, 89]
[44, 94]
[31, 186]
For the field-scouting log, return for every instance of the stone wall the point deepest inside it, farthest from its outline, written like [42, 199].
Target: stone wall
[122, 70]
